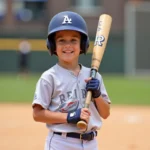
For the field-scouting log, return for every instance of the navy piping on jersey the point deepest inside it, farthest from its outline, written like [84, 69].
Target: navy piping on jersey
[50, 142]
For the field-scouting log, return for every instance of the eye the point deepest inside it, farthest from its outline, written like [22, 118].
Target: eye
[74, 40]
[60, 41]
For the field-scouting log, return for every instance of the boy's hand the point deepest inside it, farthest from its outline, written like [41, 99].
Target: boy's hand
[93, 85]
[79, 114]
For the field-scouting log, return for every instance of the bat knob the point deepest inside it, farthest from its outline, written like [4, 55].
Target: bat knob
[82, 125]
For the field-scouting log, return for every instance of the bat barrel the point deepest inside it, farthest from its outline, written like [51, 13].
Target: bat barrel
[101, 39]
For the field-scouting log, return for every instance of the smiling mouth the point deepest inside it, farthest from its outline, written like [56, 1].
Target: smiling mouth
[67, 52]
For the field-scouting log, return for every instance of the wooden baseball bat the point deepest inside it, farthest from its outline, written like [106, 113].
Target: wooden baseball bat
[103, 29]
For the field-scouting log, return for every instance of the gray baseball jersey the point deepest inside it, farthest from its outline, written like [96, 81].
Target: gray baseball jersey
[58, 89]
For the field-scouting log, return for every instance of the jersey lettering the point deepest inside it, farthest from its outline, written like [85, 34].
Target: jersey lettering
[71, 95]
[67, 20]
[62, 98]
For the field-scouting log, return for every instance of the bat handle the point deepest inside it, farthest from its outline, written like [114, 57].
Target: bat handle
[82, 124]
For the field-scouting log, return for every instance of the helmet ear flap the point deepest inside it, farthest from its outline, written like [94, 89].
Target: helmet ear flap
[47, 44]
[50, 46]
[84, 45]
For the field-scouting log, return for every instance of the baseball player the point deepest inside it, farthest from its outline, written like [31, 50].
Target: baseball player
[61, 90]
[24, 54]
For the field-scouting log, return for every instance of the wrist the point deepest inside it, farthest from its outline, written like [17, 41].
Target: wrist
[65, 117]
[96, 94]
[73, 117]
[98, 98]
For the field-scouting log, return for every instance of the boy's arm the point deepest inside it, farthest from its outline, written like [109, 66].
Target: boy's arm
[103, 107]
[46, 116]
[42, 115]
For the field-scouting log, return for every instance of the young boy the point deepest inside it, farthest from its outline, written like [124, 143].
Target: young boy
[61, 90]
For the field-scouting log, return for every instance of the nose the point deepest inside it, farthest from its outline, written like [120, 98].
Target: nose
[67, 43]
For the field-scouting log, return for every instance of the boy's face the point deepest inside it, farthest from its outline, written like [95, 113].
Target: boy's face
[68, 45]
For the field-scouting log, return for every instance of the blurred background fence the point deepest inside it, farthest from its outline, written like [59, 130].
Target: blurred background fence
[128, 46]
[137, 38]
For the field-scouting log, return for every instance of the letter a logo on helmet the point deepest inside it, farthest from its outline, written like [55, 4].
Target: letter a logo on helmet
[67, 20]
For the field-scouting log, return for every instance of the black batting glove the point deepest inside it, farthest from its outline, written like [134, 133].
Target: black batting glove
[74, 117]
[93, 86]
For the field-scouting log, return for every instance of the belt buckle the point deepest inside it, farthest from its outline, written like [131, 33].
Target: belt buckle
[87, 136]
[92, 136]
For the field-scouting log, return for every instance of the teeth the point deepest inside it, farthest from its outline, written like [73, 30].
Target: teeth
[68, 52]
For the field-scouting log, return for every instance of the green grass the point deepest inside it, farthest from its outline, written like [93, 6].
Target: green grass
[133, 90]
[17, 89]
[121, 90]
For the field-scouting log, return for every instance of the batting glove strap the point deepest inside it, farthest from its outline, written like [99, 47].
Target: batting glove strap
[96, 93]
[74, 117]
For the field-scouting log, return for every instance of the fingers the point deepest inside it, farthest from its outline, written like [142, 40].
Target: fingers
[85, 114]
[88, 79]
[92, 84]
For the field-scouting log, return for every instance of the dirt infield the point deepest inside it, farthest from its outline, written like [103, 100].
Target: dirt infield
[128, 128]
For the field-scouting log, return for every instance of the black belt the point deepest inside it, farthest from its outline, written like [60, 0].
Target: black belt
[85, 136]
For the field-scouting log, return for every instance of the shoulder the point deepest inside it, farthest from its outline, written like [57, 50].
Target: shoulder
[48, 74]
[99, 76]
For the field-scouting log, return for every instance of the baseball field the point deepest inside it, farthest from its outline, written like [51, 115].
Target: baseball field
[127, 128]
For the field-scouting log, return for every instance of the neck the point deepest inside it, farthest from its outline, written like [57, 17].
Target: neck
[75, 68]
[69, 66]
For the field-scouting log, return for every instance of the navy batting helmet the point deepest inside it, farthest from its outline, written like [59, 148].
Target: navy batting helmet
[67, 20]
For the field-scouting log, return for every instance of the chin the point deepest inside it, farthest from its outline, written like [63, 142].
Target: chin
[68, 58]
[68, 61]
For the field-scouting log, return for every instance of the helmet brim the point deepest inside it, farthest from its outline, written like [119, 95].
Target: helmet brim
[62, 28]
